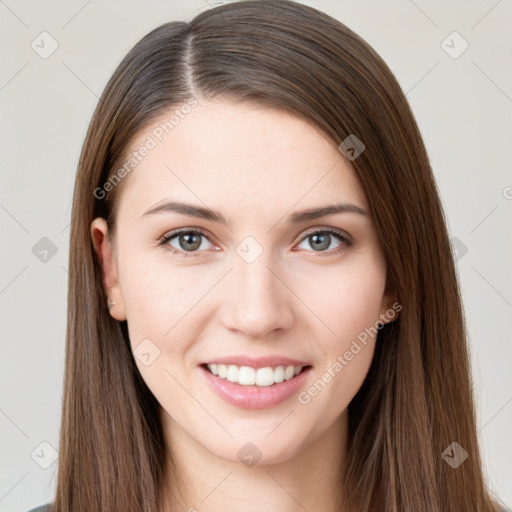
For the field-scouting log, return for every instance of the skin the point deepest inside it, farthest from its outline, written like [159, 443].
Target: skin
[256, 166]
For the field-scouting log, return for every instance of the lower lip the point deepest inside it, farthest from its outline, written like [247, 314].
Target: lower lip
[255, 397]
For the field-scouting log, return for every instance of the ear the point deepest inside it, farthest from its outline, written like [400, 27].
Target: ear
[389, 305]
[105, 252]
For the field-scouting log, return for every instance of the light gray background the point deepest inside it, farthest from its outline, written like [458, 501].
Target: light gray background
[463, 106]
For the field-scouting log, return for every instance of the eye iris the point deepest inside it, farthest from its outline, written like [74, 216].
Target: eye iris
[320, 244]
[190, 244]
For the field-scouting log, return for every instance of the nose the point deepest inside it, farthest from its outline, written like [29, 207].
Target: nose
[258, 300]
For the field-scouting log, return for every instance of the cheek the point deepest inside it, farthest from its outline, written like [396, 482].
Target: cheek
[160, 314]
[351, 309]
[351, 313]
[156, 295]
[347, 301]
[163, 305]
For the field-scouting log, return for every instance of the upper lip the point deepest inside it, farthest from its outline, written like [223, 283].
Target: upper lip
[257, 362]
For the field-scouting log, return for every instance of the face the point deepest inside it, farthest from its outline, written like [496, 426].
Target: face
[262, 283]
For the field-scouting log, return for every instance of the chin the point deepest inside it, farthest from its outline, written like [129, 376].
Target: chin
[256, 450]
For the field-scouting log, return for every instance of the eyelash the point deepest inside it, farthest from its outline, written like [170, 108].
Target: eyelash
[192, 254]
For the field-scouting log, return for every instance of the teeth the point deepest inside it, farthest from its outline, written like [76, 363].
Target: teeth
[223, 371]
[247, 376]
[279, 373]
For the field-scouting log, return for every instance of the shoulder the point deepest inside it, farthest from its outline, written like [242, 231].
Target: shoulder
[42, 508]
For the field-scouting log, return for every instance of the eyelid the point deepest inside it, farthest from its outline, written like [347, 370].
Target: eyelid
[175, 232]
[328, 229]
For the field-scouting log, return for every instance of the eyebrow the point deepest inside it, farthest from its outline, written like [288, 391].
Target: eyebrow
[215, 216]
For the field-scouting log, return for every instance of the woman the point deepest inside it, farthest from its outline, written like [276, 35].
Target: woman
[263, 305]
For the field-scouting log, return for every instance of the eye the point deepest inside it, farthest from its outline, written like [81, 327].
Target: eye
[187, 240]
[321, 240]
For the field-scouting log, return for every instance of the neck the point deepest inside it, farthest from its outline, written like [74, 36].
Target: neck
[308, 479]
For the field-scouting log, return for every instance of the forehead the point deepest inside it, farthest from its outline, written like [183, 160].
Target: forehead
[240, 156]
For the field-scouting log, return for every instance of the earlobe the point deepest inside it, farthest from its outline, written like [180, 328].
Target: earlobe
[389, 310]
[110, 278]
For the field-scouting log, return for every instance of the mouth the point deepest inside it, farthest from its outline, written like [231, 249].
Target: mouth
[255, 388]
[247, 376]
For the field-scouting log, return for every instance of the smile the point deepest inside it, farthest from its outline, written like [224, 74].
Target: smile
[248, 376]
[255, 388]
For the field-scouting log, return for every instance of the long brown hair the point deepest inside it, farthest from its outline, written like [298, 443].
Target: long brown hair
[417, 398]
